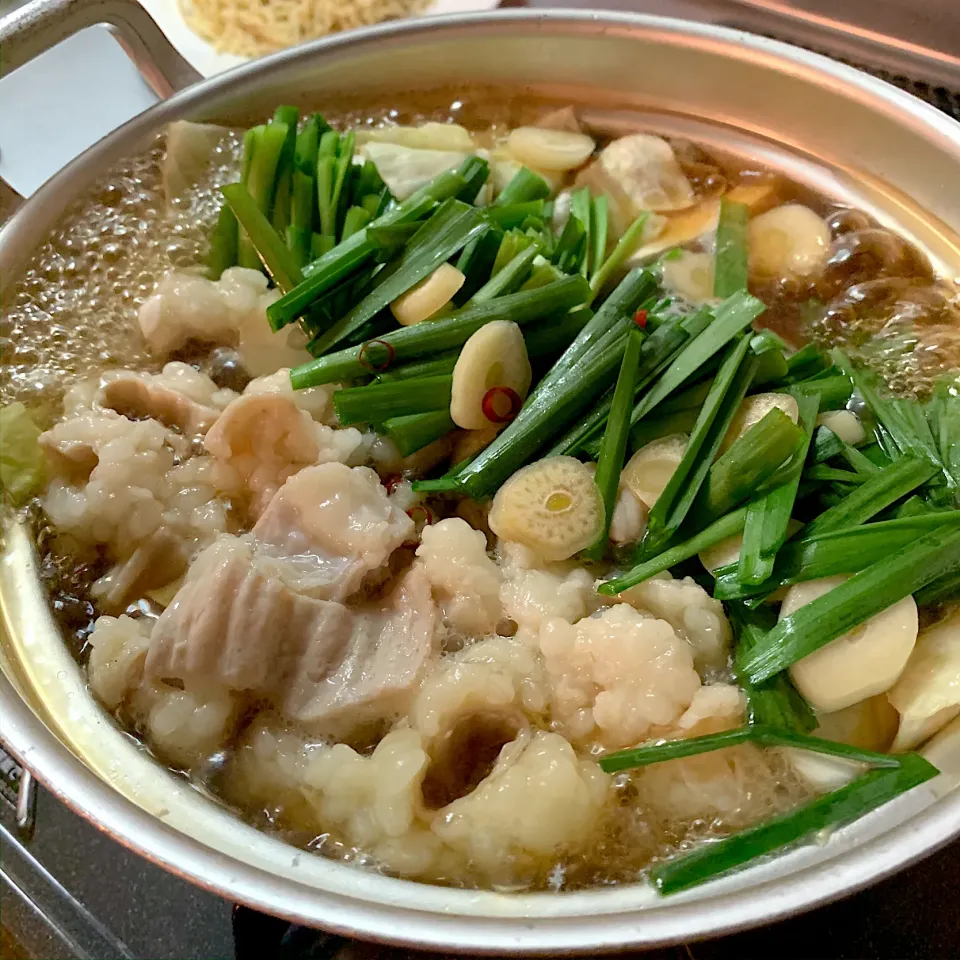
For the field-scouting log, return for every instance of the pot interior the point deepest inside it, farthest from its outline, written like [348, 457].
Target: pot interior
[840, 134]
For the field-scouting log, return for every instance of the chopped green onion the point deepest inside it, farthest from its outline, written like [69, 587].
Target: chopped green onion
[664, 750]
[265, 144]
[728, 526]
[625, 246]
[277, 258]
[614, 446]
[452, 226]
[223, 243]
[355, 219]
[381, 401]
[768, 515]
[875, 494]
[730, 271]
[448, 332]
[852, 602]
[413, 432]
[775, 702]
[510, 216]
[752, 458]
[871, 790]
[760, 734]
[720, 407]
[731, 317]
[524, 185]
[509, 278]
[828, 554]
[599, 229]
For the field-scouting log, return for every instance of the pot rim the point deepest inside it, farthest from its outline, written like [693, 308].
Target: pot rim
[412, 924]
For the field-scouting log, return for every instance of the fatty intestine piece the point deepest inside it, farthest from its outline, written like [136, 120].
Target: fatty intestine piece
[533, 590]
[616, 675]
[317, 401]
[179, 397]
[328, 667]
[692, 612]
[117, 481]
[499, 675]
[369, 802]
[328, 526]
[184, 726]
[465, 581]
[118, 649]
[231, 310]
[540, 802]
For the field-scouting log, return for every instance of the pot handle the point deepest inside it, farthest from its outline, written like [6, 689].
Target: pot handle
[41, 24]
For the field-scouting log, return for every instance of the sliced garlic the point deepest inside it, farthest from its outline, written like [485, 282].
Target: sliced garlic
[677, 231]
[861, 663]
[544, 149]
[552, 506]
[927, 695]
[753, 409]
[756, 197]
[647, 170]
[943, 751]
[690, 275]
[494, 356]
[428, 136]
[629, 520]
[790, 241]
[821, 771]
[649, 470]
[870, 724]
[727, 551]
[722, 554]
[504, 166]
[429, 296]
[845, 424]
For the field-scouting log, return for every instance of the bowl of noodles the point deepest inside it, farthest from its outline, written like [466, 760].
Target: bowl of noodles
[463, 491]
[214, 35]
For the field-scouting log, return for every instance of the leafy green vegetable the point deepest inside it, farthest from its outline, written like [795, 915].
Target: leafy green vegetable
[22, 465]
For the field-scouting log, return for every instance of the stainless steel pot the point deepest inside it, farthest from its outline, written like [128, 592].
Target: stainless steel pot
[830, 125]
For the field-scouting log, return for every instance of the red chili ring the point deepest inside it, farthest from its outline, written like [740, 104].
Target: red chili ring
[370, 365]
[640, 318]
[489, 409]
[420, 512]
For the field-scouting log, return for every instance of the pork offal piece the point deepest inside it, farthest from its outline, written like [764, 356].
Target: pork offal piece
[234, 624]
[322, 664]
[327, 527]
[383, 650]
